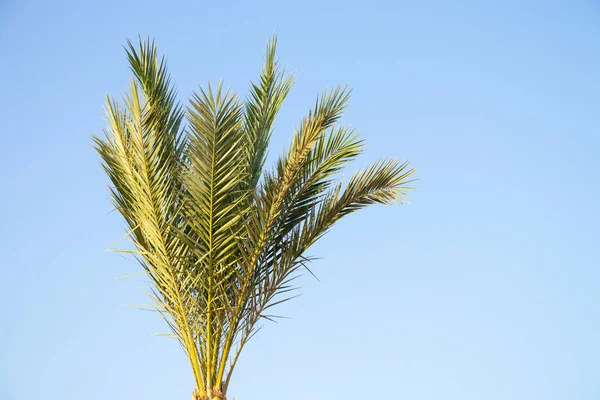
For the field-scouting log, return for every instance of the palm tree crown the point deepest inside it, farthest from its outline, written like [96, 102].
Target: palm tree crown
[219, 237]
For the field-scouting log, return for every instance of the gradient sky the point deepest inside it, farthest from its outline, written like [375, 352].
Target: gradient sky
[485, 287]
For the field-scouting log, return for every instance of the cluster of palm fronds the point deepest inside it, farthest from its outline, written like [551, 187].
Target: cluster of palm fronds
[220, 238]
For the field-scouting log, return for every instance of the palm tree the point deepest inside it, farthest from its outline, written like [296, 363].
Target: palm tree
[219, 237]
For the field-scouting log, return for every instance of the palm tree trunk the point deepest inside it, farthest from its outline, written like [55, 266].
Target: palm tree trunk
[214, 394]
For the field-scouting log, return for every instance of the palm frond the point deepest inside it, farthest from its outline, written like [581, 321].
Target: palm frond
[215, 207]
[141, 153]
[263, 103]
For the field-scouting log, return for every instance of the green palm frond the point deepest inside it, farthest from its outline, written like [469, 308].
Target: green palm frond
[142, 156]
[264, 101]
[215, 208]
[221, 240]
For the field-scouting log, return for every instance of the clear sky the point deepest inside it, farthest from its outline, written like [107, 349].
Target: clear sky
[485, 287]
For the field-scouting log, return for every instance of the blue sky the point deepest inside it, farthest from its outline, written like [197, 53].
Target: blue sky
[484, 287]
